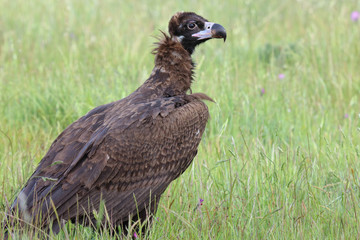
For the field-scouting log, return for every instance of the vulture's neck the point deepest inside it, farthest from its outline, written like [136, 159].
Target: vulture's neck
[173, 71]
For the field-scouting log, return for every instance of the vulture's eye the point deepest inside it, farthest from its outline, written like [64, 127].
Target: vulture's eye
[191, 25]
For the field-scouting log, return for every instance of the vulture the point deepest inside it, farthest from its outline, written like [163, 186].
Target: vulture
[124, 154]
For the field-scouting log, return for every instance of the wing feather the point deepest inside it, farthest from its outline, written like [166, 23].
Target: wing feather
[129, 155]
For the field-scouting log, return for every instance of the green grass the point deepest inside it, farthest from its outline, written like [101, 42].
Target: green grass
[282, 165]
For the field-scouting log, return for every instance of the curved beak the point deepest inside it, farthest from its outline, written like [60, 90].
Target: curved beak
[212, 30]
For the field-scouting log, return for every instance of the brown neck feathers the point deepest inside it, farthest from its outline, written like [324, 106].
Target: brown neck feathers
[172, 59]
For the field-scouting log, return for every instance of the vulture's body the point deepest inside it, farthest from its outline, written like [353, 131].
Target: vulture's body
[125, 153]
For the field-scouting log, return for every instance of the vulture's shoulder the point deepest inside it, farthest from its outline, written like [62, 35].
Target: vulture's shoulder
[141, 114]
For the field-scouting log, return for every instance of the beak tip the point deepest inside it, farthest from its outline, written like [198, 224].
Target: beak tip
[218, 31]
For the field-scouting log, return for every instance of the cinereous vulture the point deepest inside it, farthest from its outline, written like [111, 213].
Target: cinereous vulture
[124, 154]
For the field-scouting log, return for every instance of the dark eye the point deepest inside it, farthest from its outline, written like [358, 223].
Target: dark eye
[191, 26]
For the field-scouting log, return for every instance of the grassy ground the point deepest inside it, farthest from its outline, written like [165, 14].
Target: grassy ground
[280, 156]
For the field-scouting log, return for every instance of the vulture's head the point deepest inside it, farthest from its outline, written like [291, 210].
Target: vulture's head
[191, 29]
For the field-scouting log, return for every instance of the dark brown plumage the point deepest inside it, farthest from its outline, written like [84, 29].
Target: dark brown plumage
[129, 149]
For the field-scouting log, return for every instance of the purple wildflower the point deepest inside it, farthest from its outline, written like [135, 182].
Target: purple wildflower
[355, 15]
[281, 76]
[346, 115]
[135, 235]
[262, 91]
[201, 201]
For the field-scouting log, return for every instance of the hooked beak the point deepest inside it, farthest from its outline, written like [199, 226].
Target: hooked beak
[212, 30]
